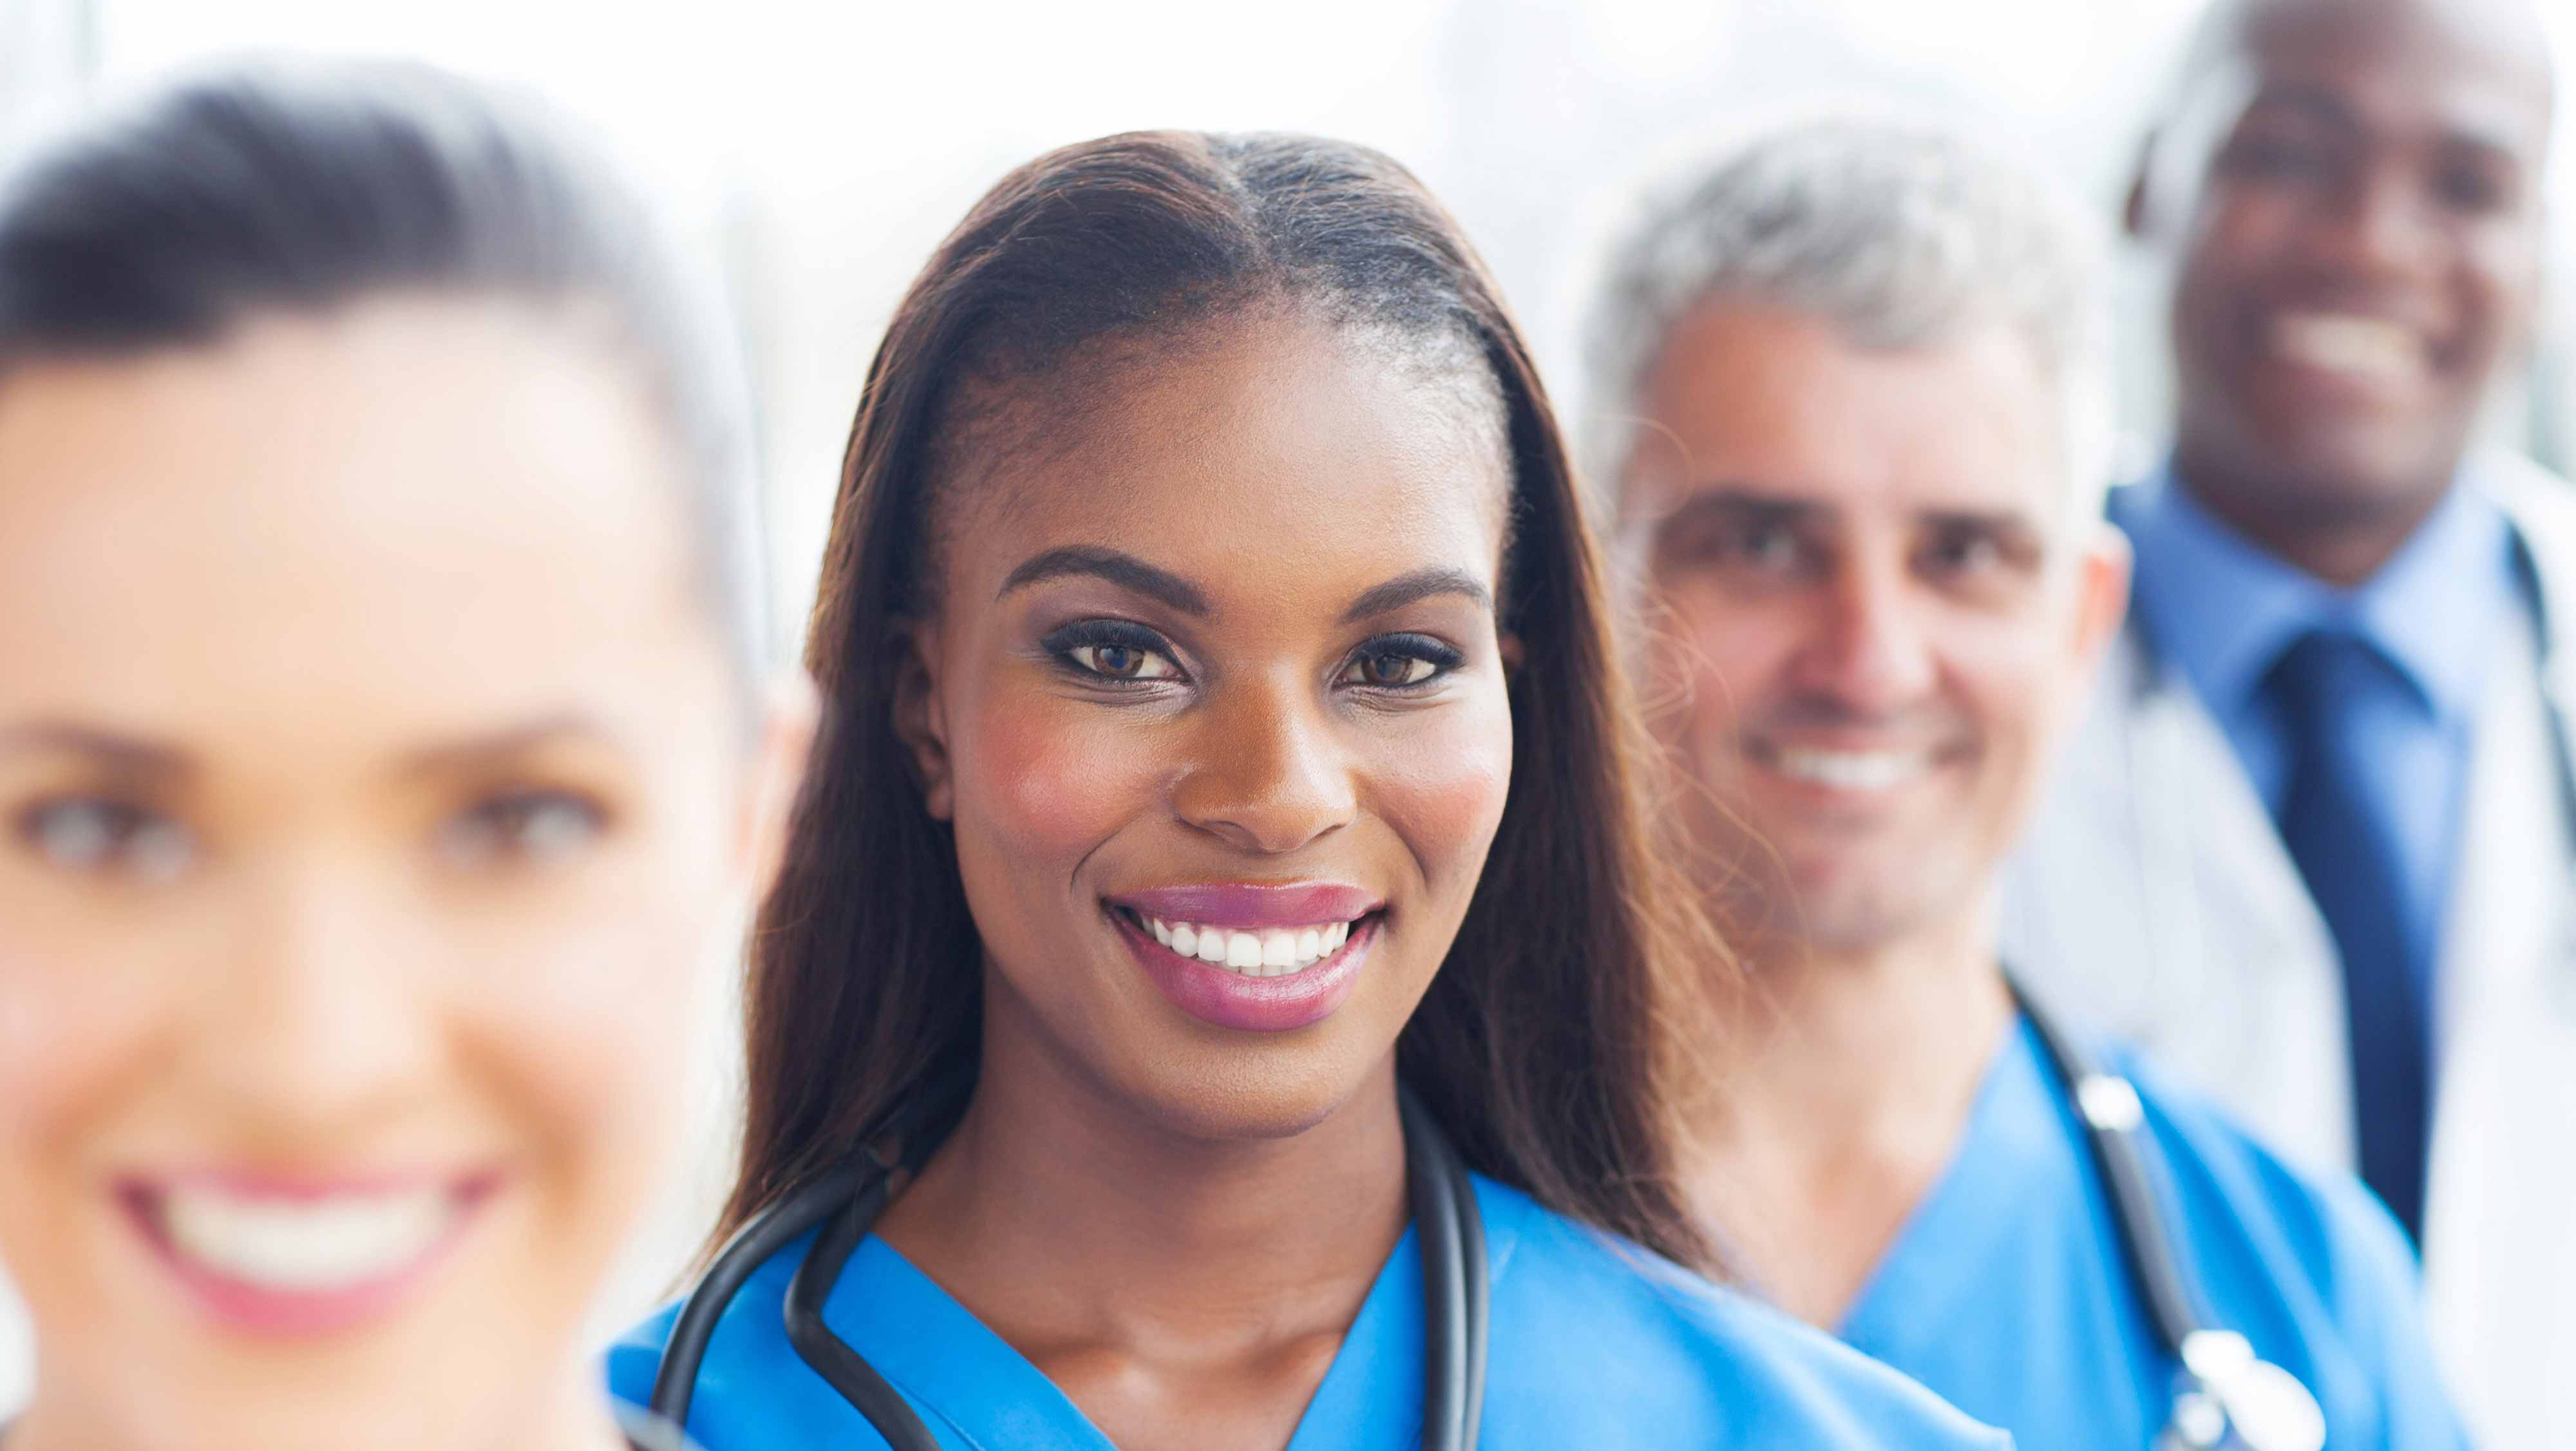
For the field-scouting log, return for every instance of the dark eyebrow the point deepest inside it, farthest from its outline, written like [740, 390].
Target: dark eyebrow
[2010, 523]
[122, 754]
[1119, 568]
[2322, 104]
[497, 747]
[1421, 584]
[2301, 98]
[1735, 501]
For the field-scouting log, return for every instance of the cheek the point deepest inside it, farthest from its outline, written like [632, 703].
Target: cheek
[2497, 279]
[1708, 654]
[2018, 678]
[80, 1013]
[583, 1022]
[1043, 780]
[1443, 787]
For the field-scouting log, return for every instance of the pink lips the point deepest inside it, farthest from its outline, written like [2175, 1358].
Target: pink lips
[264, 1309]
[1226, 999]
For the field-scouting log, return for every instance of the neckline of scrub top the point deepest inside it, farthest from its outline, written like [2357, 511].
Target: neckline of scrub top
[949, 1362]
[2014, 1114]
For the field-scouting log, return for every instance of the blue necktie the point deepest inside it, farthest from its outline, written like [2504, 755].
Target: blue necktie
[2338, 830]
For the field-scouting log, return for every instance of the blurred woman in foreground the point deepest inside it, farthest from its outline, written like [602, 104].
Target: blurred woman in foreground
[383, 747]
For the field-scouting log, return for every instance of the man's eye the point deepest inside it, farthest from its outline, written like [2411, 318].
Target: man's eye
[1964, 554]
[99, 834]
[1122, 662]
[1770, 548]
[2470, 189]
[530, 826]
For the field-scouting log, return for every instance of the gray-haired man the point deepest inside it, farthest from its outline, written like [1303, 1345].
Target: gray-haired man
[1850, 385]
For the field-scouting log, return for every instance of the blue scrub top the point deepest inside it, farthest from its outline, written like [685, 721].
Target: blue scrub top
[2006, 1291]
[1593, 1343]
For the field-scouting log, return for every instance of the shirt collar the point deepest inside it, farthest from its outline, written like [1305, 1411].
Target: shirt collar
[2224, 608]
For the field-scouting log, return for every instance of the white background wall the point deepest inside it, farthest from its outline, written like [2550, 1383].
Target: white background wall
[824, 147]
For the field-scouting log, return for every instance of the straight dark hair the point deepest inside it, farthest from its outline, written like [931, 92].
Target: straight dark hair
[1540, 1042]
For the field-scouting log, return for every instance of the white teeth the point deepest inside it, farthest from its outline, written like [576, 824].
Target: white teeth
[1851, 770]
[305, 1245]
[1268, 952]
[2368, 347]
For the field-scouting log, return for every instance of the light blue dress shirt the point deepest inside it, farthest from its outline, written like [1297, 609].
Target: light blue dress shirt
[2222, 609]
[2006, 1291]
[1594, 1343]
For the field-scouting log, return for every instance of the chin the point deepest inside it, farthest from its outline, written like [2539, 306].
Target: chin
[1253, 1096]
[2355, 469]
[279, 1412]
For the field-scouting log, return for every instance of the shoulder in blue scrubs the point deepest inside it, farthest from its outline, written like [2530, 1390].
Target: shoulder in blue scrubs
[2006, 1292]
[1594, 1344]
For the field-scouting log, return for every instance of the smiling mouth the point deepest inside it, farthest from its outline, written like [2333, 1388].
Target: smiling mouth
[1854, 771]
[1249, 951]
[2366, 349]
[288, 1259]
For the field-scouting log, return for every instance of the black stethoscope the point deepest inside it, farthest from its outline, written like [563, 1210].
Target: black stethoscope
[2227, 1398]
[846, 1202]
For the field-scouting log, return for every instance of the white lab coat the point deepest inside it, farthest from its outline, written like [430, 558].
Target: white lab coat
[2154, 898]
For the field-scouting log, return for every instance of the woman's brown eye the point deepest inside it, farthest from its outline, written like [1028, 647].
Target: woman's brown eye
[1122, 661]
[1392, 669]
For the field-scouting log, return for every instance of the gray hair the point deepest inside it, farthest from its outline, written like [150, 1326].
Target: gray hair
[1899, 234]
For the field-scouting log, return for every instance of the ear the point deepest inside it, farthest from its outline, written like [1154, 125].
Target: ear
[789, 712]
[1508, 646]
[919, 720]
[2101, 591]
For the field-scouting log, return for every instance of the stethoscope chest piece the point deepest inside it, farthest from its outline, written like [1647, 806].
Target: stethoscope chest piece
[2235, 1401]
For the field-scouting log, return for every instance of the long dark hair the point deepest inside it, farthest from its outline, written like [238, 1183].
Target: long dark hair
[1538, 1043]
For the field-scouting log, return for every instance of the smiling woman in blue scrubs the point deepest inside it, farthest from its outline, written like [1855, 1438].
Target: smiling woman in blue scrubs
[1867, 530]
[1223, 731]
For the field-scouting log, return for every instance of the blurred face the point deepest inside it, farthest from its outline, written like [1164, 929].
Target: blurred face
[1868, 612]
[1216, 705]
[370, 786]
[2362, 255]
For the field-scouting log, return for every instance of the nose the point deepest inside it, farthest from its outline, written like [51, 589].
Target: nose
[1867, 649]
[312, 1023]
[1269, 774]
[2379, 228]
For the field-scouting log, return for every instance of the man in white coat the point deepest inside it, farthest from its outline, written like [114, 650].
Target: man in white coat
[2315, 850]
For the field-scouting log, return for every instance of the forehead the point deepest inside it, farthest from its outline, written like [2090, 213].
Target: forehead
[2474, 70]
[1778, 404]
[1263, 445]
[438, 509]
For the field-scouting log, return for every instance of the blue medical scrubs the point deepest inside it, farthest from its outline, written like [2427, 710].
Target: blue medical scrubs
[2006, 1291]
[1593, 1344]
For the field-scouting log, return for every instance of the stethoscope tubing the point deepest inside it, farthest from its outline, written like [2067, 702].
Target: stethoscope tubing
[846, 1201]
[2154, 1266]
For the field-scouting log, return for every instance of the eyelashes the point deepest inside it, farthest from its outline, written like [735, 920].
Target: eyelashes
[1122, 654]
[1119, 651]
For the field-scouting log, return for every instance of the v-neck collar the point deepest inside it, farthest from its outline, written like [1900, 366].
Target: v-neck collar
[982, 1392]
[2014, 1122]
